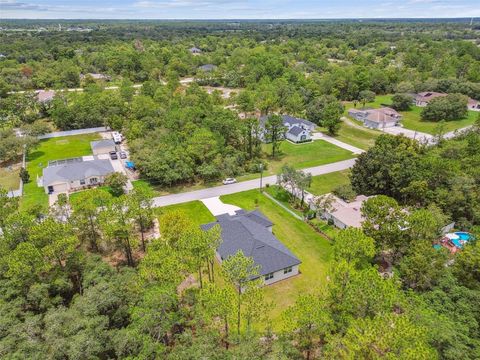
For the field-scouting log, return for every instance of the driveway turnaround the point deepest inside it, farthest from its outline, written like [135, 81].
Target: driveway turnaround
[217, 207]
[244, 185]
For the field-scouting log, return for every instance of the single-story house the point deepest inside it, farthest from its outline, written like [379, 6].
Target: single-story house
[195, 50]
[95, 76]
[296, 130]
[251, 232]
[473, 105]
[422, 99]
[45, 96]
[376, 118]
[103, 146]
[74, 174]
[346, 214]
[207, 67]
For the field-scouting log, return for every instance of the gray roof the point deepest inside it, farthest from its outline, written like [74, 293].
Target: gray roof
[295, 130]
[289, 119]
[207, 67]
[102, 143]
[248, 231]
[71, 171]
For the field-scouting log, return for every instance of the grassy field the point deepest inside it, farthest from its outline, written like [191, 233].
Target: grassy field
[195, 210]
[324, 184]
[411, 120]
[363, 138]
[301, 156]
[9, 178]
[313, 250]
[52, 149]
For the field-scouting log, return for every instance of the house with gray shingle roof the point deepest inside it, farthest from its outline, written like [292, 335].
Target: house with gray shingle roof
[251, 232]
[296, 130]
[207, 67]
[68, 175]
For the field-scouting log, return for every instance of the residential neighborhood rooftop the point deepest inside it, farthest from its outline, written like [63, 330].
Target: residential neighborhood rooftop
[76, 169]
[102, 143]
[249, 232]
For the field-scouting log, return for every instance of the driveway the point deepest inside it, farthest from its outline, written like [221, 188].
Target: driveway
[243, 186]
[412, 134]
[331, 140]
[217, 207]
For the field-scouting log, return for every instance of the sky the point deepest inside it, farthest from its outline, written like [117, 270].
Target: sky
[237, 9]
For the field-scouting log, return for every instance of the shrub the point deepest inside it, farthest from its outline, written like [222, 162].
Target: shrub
[345, 192]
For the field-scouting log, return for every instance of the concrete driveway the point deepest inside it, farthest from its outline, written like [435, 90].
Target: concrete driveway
[412, 134]
[217, 207]
[331, 140]
[243, 185]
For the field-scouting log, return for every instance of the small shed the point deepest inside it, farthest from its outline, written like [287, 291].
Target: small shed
[103, 146]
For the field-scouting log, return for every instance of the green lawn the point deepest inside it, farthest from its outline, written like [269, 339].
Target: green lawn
[9, 177]
[306, 155]
[324, 184]
[313, 250]
[411, 119]
[195, 210]
[363, 138]
[52, 149]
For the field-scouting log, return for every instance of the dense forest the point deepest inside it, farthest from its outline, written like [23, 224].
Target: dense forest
[88, 279]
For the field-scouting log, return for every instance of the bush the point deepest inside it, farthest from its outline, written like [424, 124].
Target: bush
[24, 175]
[450, 107]
[402, 102]
[345, 192]
[116, 181]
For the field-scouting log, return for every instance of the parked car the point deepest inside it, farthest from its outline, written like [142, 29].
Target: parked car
[123, 155]
[113, 155]
[228, 181]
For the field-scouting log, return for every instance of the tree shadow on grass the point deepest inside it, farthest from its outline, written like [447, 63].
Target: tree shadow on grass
[35, 155]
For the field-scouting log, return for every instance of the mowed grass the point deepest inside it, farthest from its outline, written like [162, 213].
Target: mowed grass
[194, 210]
[324, 184]
[362, 138]
[412, 118]
[305, 155]
[52, 149]
[313, 250]
[9, 177]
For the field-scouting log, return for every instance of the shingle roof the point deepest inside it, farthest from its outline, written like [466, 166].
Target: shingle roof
[295, 130]
[102, 143]
[76, 171]
[207, 67]
[289, 119]
[248, 231]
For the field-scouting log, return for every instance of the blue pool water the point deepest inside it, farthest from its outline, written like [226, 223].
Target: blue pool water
[463, 238]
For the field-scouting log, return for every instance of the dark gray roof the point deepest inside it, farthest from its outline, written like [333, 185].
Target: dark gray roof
[295, 130]
[72, 171]
[248, 231]
[207, 67]
[289, 119]
[102, 143]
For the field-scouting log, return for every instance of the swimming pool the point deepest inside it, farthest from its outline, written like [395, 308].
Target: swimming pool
[463, 237]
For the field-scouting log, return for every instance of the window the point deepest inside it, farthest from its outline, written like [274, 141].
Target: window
[82, 182]
[93, 180]
[268, 276]
[287, 270]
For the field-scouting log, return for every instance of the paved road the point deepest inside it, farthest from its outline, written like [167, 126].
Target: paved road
[243, 186]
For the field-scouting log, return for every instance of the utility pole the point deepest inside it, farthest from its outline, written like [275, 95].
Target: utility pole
[261, 176]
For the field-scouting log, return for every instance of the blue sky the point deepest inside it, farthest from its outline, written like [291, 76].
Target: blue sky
[236, 9]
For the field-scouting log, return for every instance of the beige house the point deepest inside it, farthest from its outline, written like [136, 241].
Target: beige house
[384, 117]
[422, 99]
[346, 214]
[103, 146]
[68, 175]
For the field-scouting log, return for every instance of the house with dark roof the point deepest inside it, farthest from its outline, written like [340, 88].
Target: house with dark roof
[207, 67]
[61, 176]
[251, 232]
[296, 130]
[376, 118]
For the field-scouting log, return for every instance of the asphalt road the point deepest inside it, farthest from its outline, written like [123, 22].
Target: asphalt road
[243, 186]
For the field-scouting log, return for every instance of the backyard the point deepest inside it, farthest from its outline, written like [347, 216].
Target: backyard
[9, 177]
[194, 210]
[313, 250]
[52, 149]
[324, 184]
